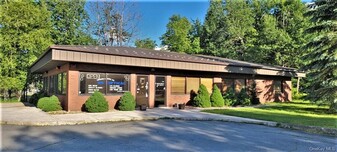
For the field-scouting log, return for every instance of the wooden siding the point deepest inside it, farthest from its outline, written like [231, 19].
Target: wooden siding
[60, 55]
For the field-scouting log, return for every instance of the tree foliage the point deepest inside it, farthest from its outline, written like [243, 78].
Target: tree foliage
[176, 35]
[69, 20]
[322, 59]
[145, 43]
[113, 23]
[25, 28]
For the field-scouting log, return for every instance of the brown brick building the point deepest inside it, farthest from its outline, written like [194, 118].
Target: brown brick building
[153, 77]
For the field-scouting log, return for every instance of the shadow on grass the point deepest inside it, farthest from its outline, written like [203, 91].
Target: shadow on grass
[298, 109]
[292, 118]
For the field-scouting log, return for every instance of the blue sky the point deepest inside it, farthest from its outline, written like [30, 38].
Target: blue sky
[155, 15]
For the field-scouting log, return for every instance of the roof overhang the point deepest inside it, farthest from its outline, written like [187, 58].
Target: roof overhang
[57, 57]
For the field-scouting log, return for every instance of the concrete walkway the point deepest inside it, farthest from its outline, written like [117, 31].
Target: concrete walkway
[19, 114]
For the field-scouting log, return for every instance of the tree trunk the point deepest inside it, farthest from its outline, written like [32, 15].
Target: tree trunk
[298, 85]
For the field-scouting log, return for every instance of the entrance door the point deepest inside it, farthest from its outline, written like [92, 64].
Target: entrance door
[142, 92]
[160, 91]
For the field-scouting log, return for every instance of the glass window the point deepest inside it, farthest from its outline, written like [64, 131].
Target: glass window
[178, 85]
[59, 83]
[105, 83]
[51, 84]
[192, 84]
[208, 82]
[91, 82]
[117, 83]
[239, 84]
[227, 84]
[277, 86]
[64, 83]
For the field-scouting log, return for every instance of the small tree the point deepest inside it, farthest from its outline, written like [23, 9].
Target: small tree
[96, 103]
[216, 97]
[202, 99]
[127, 102]
[242, 98]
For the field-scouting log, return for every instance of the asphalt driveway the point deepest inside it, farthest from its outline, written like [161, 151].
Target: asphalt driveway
[161, 135]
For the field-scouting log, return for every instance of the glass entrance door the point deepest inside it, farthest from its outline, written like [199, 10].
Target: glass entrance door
[142, 92]
[160, 91]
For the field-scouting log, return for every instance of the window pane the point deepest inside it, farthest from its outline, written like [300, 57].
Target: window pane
[239, 84]
[192, 84]
[277, 86]
[51, 84]
[64, 83]
[117, 83]
[227, 84]
[208, 82]
[91, 82]
[178, 85]
[59, 83]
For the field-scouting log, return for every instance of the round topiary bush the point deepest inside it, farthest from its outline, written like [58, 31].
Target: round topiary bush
[127, 102]
[96, 103]
[202, 99]
[49, 104]
[216, 97]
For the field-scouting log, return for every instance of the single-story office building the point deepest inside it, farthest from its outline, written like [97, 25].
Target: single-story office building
[155, 78]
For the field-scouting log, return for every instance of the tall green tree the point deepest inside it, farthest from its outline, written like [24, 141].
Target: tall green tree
[214, 31]
[177, 34]
[239, 20]
[322, 59]
[70, 21]
[194, 35]
[145, 43]
[25, 28]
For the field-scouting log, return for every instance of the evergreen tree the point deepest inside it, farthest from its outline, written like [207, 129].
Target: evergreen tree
[322, 59]
[177, 34]
[214, 31]
[216, 97]
[202, 99]
[239, 20]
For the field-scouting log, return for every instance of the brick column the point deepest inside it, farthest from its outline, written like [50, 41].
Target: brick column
[287, 87]
[152, 90]
[167, 90]
[72, 91]
[133, 84]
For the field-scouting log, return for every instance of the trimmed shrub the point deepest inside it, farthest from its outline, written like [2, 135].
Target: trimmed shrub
[49, 104]
[36, 96]
[127, 102]
[191, 102]
[202, 99]
[216, 97]
[229, 97]
[96, 103]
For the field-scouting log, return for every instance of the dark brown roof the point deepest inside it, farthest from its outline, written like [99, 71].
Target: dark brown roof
[138, 52]
[162, 55]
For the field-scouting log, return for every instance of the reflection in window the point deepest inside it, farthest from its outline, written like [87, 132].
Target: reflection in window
[178, 85]
[104, 83]
[117, 83]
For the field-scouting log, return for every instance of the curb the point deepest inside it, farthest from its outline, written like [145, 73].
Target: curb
[308, 129]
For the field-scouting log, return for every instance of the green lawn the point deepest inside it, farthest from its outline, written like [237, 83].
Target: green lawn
[11, 100]
[297, 112]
